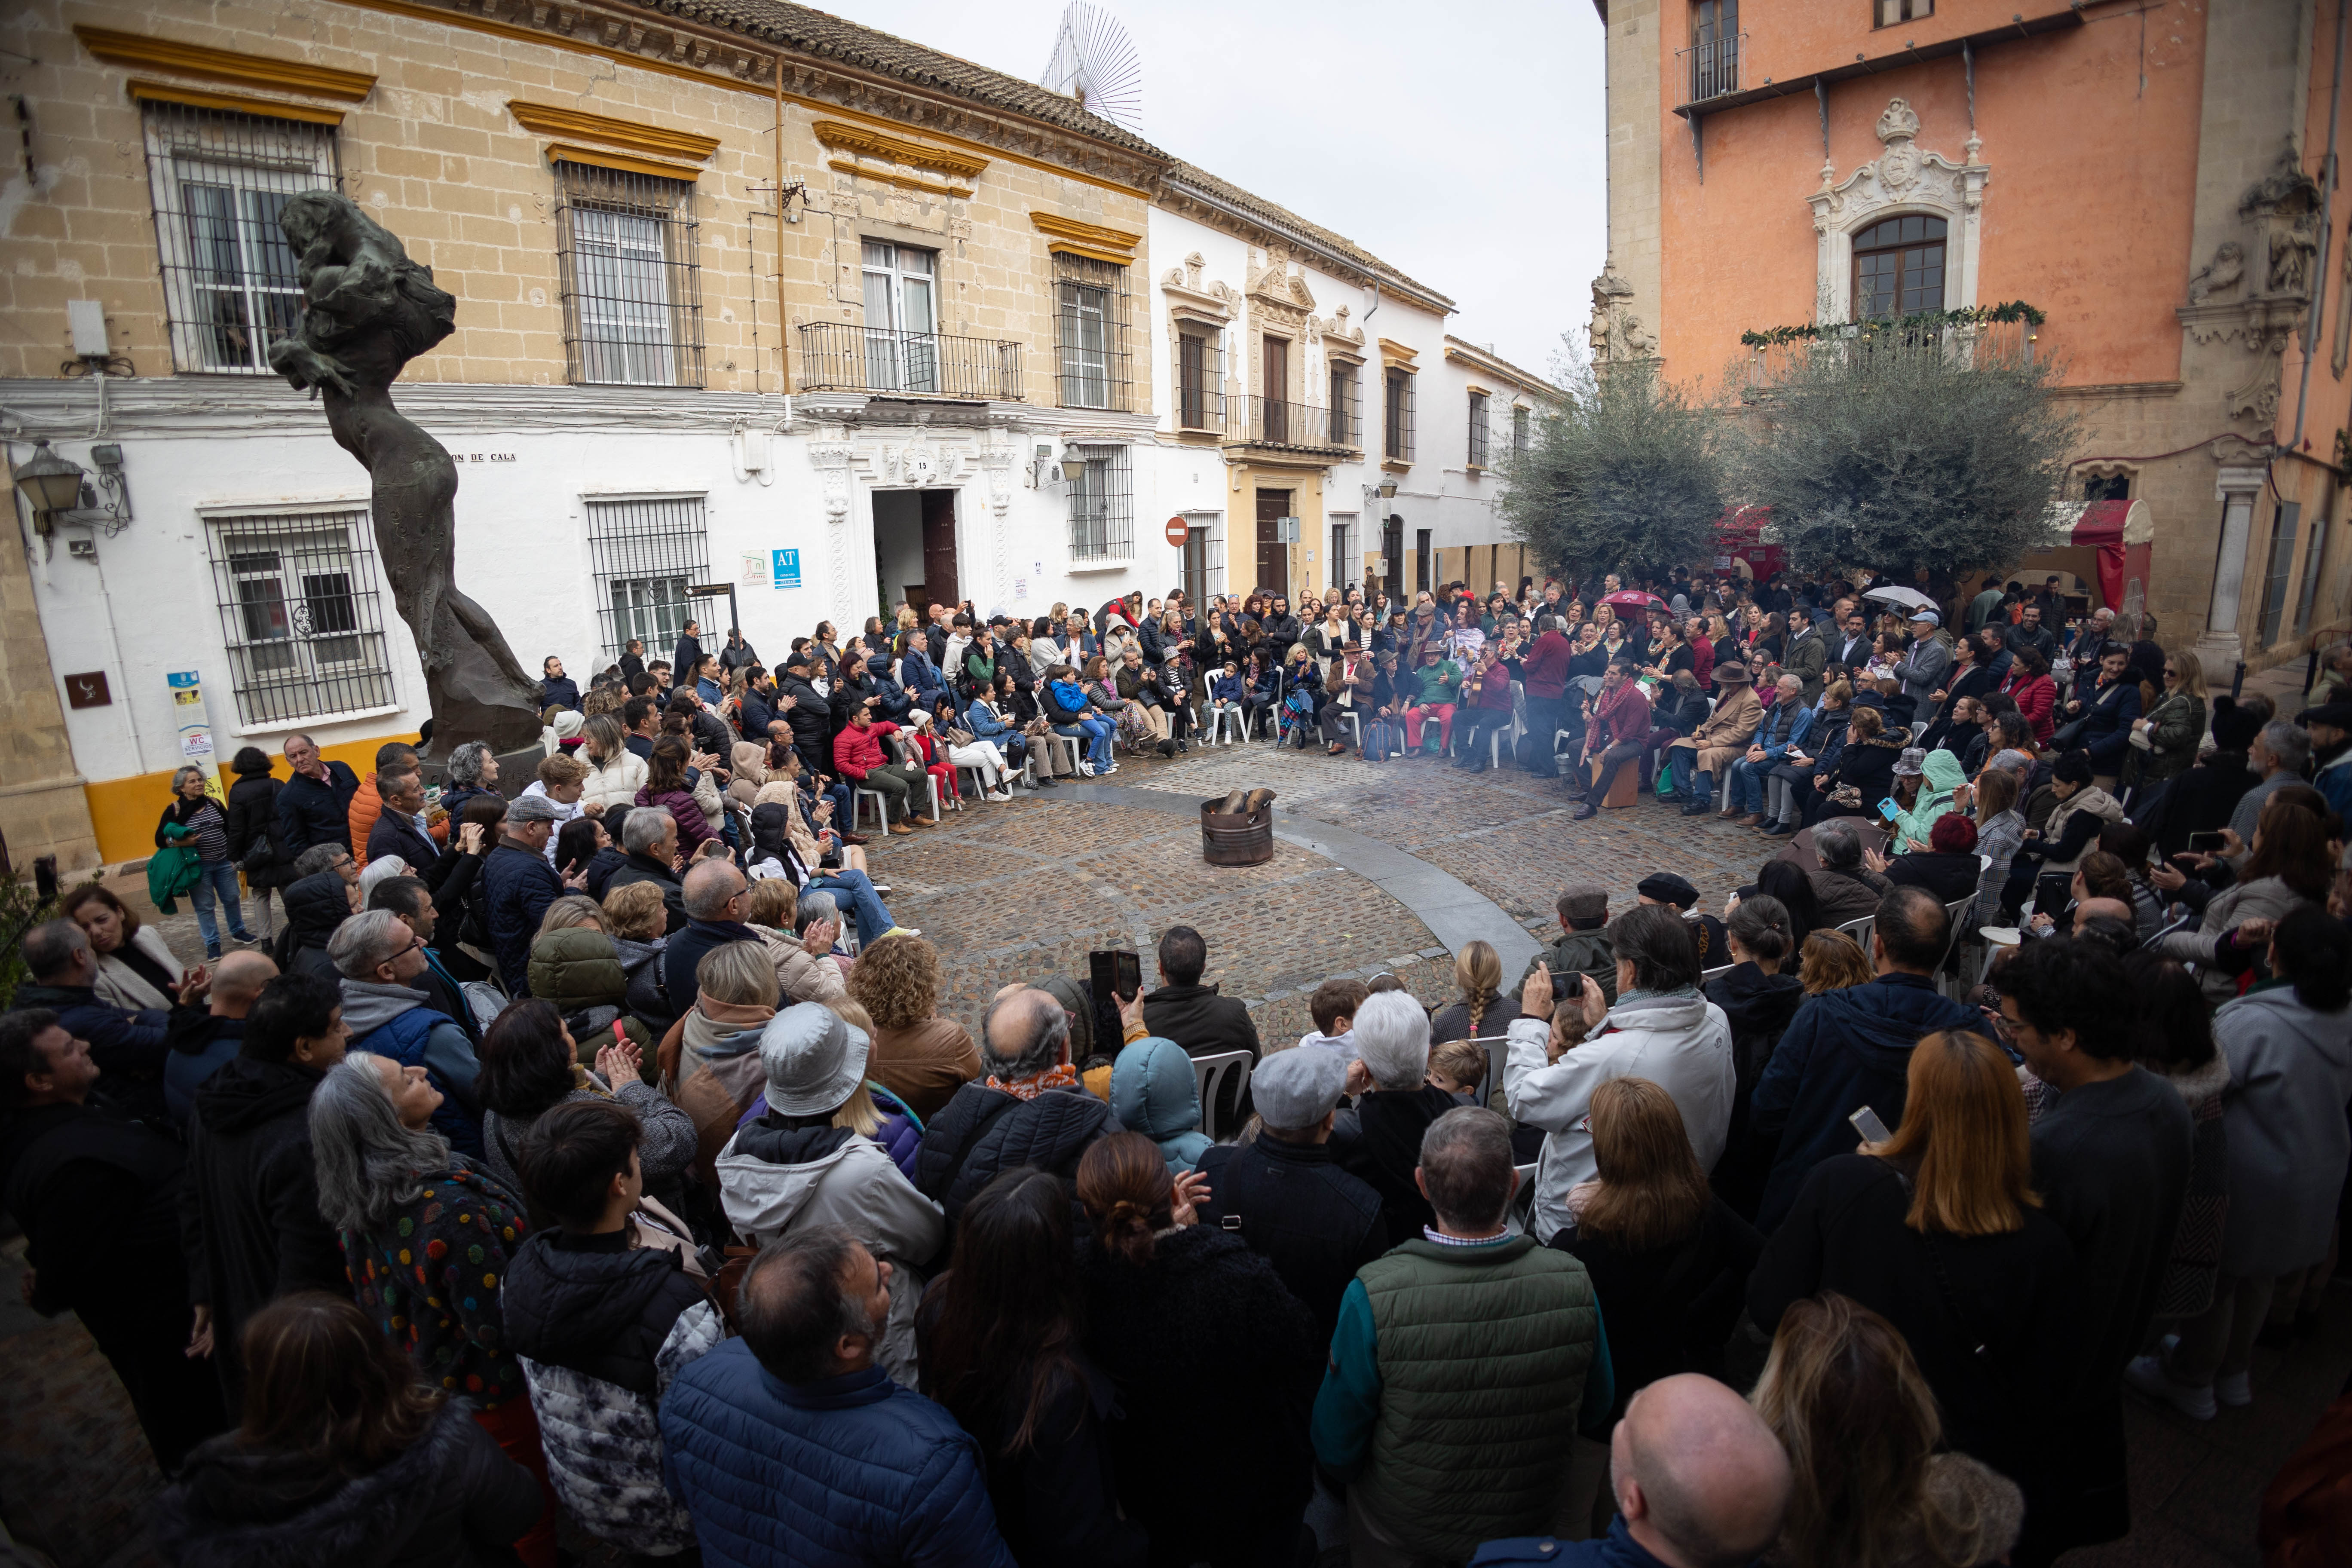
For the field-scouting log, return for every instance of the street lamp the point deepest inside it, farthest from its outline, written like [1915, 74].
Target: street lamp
[1388, 489]
[54, 487]
[1074, 464]
[50, 482]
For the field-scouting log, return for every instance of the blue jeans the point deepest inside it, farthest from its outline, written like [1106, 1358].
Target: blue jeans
[1097, 733]
[1747, 786]
[219, 876]
[865, 905]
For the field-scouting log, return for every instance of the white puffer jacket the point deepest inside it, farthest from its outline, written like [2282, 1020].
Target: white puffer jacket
[614, 784]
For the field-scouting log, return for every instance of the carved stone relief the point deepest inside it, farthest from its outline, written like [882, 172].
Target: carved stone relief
[2257, 287]
[1614, 332]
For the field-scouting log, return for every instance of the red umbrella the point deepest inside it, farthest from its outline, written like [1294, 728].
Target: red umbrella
[1635, 599]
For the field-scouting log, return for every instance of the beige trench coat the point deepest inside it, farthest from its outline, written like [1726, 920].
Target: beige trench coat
[1723, 739]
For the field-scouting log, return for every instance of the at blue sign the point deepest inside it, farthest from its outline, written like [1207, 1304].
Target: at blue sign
[787, 571]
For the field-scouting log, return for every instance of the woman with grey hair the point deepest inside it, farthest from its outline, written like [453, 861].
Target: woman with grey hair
[1395, 1104]
[194, 821]
[426, 1233]
[470, 774]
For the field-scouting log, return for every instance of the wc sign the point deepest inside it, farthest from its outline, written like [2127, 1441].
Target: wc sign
[195, 728]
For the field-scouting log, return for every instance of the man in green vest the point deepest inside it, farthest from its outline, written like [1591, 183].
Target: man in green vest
[1439, 1453]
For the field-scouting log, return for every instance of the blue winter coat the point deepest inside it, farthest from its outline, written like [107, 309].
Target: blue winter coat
[517, 887]
[2108, 719]
[1226, 689]
[403, 1040]
[845, 1472]
[920, 677]
[316, 811]
[1154, 1091]
[982, 721]
[1844, 1051]
[1779, 733]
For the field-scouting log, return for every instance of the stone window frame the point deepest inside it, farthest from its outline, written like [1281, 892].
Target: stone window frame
[1904, 180]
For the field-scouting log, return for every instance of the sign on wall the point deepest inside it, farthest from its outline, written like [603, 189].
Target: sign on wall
[196, 727]
[1179, 531]
[787, 573]
[755, 570]
[88, 689]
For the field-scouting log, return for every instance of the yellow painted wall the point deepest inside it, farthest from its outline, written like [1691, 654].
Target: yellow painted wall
[124, 811]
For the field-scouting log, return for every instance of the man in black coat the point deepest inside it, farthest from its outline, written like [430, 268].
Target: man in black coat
[315, 807]
[517, 885]
[758, 692]
[684, 662]
[715, 894]
[1316, 1224]
[396, 830]
[1378, 1142]
[1197, 1019]
[98, 1198]
[128, 1046]
[1028, 1110]
[810, 717]
[249, 1207]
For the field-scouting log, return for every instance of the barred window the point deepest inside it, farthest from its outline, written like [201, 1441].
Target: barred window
[1200, 382]
[1397, 415]
[1102, 506]
[218, 179]
[632, 285]
[301, 615]
[1521, 423]
[1347, 420]
[1477, 430]
[1090, 320]
[644, 550]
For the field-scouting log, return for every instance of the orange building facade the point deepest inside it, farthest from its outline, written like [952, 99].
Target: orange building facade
[2154, 175]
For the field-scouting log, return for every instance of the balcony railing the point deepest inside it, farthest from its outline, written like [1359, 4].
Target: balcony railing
[1714, 67]
[1857, 342]
[841, 356]
[1264, 422]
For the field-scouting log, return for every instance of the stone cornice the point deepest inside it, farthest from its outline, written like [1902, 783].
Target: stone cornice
[1471, 356]
[674, 46]
[844, 136]
[1115, 244]
[137, 50]
[161, 406]
[148, 91]
[631, 135]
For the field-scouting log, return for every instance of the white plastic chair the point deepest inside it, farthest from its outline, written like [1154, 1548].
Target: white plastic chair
[857, 797]
[1209, 1074]
[1355, 722]
[1707, 975]
[1860, 930]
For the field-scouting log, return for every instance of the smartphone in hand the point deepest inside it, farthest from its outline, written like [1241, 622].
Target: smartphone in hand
[2205, 843]
[1866, 1123]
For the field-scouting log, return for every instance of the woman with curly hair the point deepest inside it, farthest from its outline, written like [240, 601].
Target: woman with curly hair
[665, 786]
[918, 1056]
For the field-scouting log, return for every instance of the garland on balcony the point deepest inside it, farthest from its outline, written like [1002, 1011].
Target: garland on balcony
[1973, 316]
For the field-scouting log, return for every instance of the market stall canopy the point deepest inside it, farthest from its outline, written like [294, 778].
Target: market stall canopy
[1740, 538]
[2116, 537]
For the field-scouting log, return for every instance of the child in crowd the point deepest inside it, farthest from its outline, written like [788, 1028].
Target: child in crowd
[561, 779]
[1333, 1007]
[1458, 1067]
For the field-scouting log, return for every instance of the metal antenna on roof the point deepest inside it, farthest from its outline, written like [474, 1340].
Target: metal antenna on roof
[1095, 61]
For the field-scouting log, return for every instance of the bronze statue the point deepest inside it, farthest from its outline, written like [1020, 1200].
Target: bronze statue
[368, 310]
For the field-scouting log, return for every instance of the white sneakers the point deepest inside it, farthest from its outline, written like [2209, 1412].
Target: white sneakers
[1085, 768]
[1001, 794]
[2147, 1374]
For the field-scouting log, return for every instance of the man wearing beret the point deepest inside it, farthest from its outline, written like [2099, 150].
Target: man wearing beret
[1665, 889]
[1316, 1224]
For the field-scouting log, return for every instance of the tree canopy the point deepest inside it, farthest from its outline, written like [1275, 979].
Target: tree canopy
[1897, 450]
[1623, 472]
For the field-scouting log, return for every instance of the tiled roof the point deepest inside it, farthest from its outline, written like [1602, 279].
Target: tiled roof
[1279, 217]
[808, 31]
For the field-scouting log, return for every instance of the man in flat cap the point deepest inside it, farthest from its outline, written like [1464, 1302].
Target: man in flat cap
[1582, 946]
[1316, 1224]
[1665, 888]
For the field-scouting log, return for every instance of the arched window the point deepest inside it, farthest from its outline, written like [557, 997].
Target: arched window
[1898, 267]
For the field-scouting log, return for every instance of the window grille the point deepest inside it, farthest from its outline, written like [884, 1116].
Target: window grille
[1102, 506]
[1347, 414]
[1477, 429]
[1090, 315]
[1521, 427]
[2314, 557]
[1423, 559]
[1200, 382]
[302, 618]
[2280, 569]
[632, 285]
[1397, 415]
[643, 551]
[218, 179]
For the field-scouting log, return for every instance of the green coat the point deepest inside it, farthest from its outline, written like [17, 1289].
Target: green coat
[1586, 953]
[171, 871]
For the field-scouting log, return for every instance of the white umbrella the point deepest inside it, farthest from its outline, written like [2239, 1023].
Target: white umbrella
[1909, 597]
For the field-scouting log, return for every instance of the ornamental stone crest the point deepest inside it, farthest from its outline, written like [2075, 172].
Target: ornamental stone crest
[1907, 178]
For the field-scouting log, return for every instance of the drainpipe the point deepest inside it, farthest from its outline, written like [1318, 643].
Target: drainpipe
[2319, 262]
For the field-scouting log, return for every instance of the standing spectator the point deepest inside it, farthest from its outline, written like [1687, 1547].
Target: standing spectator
[2288, 1042]
[367, 802]
[1001, 1350]
[920, 1055]
[1668, 1259]
[128, 1045]
[97, 1199]
[517, 885]
[1395, 1107]
[344, 1456]
[529, 1066]
[557, 689]
[805, 1163]
[1582, 947]
[380, 958]
[1437, 1455]
[1859, 1425]
[1284, 1196]
[425, 1237]
[195, 818]
[399, 828]
[791, 1447]
[687, 658]
[251, 819]
[1661, 1028]
[1190, 1325]
[616, 773]
[1851, 1048]
[2111, 1160]
[1543, 675]
[202, 1043]
[603, 1314]
[314, 808]
[1940, 1229]
[471, 774]
[1027, 1108]
[249, 1208]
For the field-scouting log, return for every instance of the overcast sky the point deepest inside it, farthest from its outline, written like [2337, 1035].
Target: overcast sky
[1461, 144]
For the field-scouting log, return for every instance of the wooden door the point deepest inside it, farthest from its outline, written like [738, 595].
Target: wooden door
[1277, 386]
[1273, 556]
[940, 546]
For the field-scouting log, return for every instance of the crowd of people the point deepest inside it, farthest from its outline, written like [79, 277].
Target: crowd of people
[590, 1150]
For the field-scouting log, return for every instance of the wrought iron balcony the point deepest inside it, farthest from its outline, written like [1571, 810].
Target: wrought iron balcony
[1264, 422]
[842, 356]
[1714, 67]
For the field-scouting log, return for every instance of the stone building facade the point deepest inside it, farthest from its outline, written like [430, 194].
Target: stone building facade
[2149, 176]
[748, 296]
